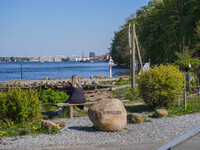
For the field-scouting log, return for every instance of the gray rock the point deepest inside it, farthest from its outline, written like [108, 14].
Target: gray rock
[135, 118]
[46, 78]
[47, 125]
[95, 82]
[88, 82]
[160, 113]
[108, 115]
[112, 89]
[43, 82]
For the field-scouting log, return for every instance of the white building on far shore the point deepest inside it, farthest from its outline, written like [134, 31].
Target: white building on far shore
[46, 58]
[75, 58]
[59, 58]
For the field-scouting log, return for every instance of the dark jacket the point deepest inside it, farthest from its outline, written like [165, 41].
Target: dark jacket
[76, 95]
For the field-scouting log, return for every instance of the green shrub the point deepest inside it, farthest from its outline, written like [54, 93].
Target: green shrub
[132, 94]
[19, 105]
[161, 86]
[48, 97]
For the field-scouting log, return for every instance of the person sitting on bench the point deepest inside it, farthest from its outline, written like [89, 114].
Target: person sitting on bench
[75, 92]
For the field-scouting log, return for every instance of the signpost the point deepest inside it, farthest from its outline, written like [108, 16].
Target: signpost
[111, 63]
[21, 72]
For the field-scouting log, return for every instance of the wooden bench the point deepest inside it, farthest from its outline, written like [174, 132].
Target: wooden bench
[70, 113]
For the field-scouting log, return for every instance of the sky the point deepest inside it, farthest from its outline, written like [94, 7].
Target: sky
[34, 28]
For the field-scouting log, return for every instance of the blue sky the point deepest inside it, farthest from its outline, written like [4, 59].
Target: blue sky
[33, 28]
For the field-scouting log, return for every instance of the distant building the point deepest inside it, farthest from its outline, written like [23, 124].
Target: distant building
[12, 59]
[85, 59]
[59, 58]
[34, 59]
[92, 55]
[46, 59]
[75, 58]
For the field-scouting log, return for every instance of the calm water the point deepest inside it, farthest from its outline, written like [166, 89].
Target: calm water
[37, 70]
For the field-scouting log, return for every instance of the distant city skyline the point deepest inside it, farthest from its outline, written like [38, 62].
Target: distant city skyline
[34, 28]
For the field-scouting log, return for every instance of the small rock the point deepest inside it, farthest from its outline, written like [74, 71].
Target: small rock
[64, 82]
[106, 77]
[160, 113]
[48, 83]
[59, 82]
[135, 118]
[46, 78]
[47, 125]
[101, 77]
[36, 84]
[21, 84]
[88, 82]
[43, 82]
[96, 77]
[95, 82]
[112, 89]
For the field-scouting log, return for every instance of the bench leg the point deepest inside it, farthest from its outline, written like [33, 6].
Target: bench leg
[70, 111]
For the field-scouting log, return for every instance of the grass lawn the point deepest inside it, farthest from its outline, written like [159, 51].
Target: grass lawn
[193, 106]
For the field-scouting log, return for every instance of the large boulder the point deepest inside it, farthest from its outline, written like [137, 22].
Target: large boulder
[47, 125]
[108, 115]
[159, 113]
[135, 118]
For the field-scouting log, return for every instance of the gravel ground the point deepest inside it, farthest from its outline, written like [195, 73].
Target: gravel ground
[79, 131]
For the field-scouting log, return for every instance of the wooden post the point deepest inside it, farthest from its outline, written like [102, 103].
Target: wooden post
[21, 72]
[141, 65]
[133, 61]
[70, 111]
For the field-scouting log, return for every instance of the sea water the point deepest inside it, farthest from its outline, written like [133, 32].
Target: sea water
[55, 70]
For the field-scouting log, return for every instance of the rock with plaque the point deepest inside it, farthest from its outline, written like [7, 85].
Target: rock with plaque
[108, 115]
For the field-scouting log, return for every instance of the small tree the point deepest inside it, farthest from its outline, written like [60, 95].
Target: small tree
[161, 86]
[195, 63]
[184, 58]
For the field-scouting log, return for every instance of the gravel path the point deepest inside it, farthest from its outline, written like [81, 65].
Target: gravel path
[79, 131]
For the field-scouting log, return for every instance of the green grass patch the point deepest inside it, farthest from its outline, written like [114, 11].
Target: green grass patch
[127, 93]
[80, 112]
[119, 82]
[193, 106]
[28, 128]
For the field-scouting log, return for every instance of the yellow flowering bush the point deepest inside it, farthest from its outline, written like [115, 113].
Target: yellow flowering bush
[19, 105]
[161, 86]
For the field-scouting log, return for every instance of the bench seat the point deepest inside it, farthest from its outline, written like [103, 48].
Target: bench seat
[71, 106]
